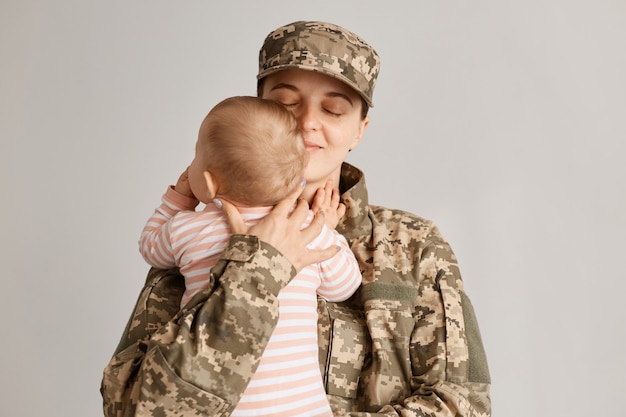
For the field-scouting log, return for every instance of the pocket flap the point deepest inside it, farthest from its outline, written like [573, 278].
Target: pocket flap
[346, 358]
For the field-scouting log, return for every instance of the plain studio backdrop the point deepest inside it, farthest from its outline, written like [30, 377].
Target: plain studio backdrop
[502, 121]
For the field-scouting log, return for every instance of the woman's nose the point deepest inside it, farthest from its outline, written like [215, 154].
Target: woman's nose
[307, 118]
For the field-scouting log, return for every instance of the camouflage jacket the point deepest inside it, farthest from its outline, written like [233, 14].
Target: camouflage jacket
[407, 343]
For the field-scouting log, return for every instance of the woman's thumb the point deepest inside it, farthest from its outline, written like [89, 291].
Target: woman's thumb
[233, 217]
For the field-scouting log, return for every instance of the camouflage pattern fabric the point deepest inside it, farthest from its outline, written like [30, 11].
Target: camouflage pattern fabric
[406, 344]
[199, 360]
[323, 47]
[158, 302]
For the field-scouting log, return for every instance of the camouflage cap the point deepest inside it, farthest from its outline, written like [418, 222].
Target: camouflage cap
[323, 47]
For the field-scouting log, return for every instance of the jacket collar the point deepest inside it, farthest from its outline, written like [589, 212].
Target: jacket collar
[356, 221]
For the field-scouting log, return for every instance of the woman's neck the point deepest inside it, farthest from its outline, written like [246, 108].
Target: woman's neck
[311, 187]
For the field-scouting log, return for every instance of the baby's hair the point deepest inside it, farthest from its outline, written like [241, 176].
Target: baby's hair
[254, 149]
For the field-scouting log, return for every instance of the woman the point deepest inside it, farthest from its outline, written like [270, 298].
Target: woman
[407, 343]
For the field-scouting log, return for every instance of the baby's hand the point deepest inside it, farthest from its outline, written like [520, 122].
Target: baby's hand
[327, 200]
[182, 185]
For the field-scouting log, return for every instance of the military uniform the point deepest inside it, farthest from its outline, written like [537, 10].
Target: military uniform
[407, 343]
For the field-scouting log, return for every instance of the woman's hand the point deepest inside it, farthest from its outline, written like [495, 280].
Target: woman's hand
[282, 228]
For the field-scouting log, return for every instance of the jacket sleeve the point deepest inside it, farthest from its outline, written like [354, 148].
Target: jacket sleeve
[448, 361]
[200, 361]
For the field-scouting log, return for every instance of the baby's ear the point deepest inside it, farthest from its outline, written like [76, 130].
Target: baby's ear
[211, 184]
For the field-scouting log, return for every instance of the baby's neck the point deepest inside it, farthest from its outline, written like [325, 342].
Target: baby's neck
[239, 204]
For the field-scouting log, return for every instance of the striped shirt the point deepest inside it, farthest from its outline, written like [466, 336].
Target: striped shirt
[288, 380]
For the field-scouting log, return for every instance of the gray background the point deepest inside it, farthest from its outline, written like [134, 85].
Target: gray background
[502, 121]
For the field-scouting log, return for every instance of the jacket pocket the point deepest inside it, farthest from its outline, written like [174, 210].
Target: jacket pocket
[164, 394]
[346, 356]
[118, 386]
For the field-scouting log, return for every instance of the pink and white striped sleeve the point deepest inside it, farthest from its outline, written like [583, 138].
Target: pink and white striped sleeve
[340, 275]
[155, 242]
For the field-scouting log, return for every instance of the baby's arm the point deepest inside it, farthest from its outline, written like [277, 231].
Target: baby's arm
[155, 240]
[340, 275]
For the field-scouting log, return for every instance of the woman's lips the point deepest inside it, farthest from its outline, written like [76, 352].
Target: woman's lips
[311, 146]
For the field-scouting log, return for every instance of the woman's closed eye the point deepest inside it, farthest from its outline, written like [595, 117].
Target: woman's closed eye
[336, 107]
[333, 112]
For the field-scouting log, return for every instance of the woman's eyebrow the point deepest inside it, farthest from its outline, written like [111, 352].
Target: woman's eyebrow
[340, 95]
[284, 85]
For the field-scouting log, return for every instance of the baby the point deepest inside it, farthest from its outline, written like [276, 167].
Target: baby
[250, 152]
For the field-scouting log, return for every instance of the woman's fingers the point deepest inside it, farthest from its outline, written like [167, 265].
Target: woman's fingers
[282, 228]
[233, 217]
[282, 222]
[284, 206]
[317, 256]
[298, 253]
[315, 228]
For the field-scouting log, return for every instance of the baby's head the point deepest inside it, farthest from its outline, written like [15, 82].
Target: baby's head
[253, 151]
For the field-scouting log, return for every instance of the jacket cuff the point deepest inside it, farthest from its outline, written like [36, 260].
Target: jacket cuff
[258, 257]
